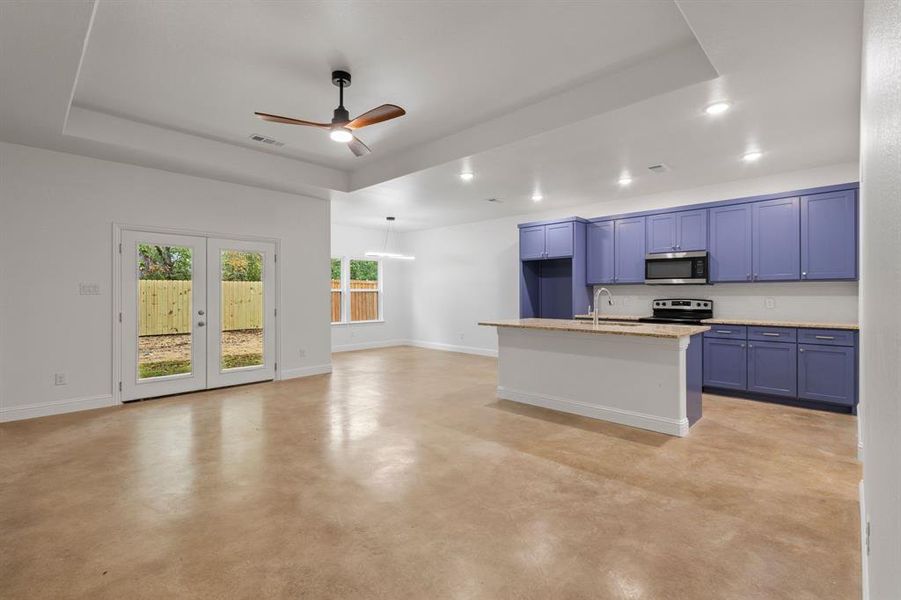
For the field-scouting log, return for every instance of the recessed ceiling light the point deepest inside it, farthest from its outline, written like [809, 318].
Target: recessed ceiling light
[537, 197]
[466, 176]
[752, 156]
[625, 180]
[340, 134]
[717, 108]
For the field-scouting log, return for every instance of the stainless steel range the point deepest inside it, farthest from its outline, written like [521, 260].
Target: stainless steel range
[682, 311]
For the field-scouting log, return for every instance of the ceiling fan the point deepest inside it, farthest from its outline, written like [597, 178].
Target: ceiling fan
[342, 126]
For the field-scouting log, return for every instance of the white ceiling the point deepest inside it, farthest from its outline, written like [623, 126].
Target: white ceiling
[452, 65]
[556, 96]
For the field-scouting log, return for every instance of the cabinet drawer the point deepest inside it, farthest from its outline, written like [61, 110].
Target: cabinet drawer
[773, 334]
[733, 332]
[826, 337]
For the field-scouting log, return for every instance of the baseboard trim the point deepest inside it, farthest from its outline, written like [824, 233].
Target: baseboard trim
[452, 348]
[368, 345]
[56, 407]
[305, 371]
[677, 427]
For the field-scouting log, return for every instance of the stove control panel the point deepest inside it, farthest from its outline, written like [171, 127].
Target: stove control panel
[683, 304]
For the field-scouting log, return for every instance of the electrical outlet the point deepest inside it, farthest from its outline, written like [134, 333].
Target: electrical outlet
[89, 289]
[59, 379]
[770, 303]
[462, 335]
[303, 353]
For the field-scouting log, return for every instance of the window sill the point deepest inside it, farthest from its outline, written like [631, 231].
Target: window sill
[358, 322]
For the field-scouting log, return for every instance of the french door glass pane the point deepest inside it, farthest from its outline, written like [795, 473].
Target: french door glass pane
[241, 328]
[164, 310]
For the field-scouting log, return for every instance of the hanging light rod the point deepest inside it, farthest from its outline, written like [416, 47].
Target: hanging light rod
[384, 253]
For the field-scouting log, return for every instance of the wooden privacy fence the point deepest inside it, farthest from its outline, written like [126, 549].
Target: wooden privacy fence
[164, 307]
[364, 305]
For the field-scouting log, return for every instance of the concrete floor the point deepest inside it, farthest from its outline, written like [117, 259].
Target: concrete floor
[401, 476]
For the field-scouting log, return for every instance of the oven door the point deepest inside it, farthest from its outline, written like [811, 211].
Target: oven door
[676, 268]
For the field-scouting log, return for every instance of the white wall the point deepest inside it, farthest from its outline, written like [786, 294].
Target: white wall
[880, 288]
[56, 231]
[467, 273]
[834, 302]
[354, 242]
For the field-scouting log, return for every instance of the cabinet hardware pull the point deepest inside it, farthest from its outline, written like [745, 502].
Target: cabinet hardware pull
[824, 337]
[772, 334]
[724, 331]
[800, 349]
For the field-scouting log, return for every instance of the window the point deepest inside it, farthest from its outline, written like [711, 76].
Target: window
[337, 286]
[356, 290]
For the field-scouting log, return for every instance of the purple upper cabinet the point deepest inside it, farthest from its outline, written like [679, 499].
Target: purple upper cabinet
[829, 235]
[730, 243]
[628, 239]
[661, 233]
[600, 265]
[691, 230]
[776, 243]
[531, 243]
[558, 240]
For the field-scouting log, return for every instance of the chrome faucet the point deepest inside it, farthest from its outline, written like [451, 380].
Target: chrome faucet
[597, 296]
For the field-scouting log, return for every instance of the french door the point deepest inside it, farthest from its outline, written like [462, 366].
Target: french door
[197, 313]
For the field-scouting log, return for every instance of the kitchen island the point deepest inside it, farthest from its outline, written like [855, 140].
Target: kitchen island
[638, 374]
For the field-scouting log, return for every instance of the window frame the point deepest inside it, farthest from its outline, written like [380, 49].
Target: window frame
[346, 291]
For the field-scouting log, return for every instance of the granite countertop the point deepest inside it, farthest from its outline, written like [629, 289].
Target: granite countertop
[736, 321]
[637, 329]
[767, 323]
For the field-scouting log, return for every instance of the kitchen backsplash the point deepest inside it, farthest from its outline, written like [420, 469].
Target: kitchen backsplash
[809, 301]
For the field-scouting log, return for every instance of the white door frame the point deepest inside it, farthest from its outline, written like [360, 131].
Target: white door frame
[116, 251]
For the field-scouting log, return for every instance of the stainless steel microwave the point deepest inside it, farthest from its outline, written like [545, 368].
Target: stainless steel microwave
[676, 268]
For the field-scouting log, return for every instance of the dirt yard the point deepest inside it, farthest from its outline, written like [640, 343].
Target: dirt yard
[159, 348]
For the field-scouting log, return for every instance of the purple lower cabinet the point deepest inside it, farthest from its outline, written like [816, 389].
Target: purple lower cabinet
[827, 373]
[725, 363]
[773, 368]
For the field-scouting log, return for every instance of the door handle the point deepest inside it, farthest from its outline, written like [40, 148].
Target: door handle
[200, 323]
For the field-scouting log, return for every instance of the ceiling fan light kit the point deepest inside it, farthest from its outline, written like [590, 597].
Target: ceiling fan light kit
[342, 126]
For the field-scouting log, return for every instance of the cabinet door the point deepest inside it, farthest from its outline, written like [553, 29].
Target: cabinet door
[691, 230]
[730, 243]
[628, 257]
[725, 363]
[558, 240]
[531, 243]
[826, 373]
[661, 233]
[829, 235]
[776, 241]
[773, 368]
[600, 263]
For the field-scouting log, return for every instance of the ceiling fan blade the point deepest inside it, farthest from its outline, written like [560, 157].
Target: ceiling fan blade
[384, 112]
[290, 121]
[358, 147]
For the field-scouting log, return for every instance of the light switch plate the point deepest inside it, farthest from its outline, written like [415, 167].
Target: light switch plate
[89, 289]
[770, 302]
